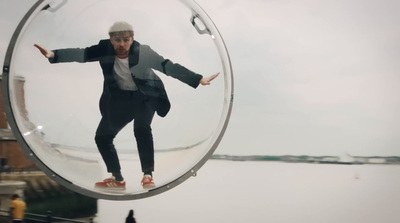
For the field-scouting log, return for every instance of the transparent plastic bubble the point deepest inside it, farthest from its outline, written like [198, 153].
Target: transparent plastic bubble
[53, 109]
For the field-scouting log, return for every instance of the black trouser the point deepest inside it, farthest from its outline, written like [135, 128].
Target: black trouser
[121, 108]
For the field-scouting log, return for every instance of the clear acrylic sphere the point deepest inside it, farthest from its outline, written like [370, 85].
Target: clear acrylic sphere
[53, 109]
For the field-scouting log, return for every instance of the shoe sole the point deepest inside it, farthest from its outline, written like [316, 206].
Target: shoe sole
[110, 188]
[148, 186]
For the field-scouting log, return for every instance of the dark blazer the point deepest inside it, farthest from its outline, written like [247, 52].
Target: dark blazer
[142, 61]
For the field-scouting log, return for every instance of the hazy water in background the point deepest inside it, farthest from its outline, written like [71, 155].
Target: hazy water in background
[234, 191]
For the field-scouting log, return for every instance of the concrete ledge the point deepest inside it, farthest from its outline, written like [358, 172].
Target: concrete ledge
[11, 187]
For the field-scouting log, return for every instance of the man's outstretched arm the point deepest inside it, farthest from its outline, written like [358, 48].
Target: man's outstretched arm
[63, 55]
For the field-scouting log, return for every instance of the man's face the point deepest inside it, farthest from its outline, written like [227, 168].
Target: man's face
[122, 43]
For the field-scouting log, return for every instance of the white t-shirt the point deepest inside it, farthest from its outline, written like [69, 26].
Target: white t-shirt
[122, 74]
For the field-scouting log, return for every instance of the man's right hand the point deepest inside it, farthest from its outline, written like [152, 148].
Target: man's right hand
[45, 52]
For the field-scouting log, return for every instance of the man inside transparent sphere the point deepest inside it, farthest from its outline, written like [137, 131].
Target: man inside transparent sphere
[131, 92]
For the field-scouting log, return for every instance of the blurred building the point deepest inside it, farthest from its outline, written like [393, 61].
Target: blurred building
[12, 156]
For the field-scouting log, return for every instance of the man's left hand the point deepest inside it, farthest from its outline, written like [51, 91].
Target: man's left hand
[207, 80]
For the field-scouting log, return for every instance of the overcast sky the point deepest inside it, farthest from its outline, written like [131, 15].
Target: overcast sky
[311, 77]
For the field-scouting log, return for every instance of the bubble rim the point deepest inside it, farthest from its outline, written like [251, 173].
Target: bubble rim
[228, 95]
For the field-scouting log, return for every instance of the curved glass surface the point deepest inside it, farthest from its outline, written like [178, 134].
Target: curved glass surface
[53, 109]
